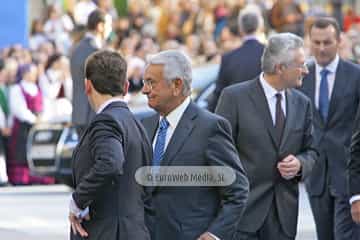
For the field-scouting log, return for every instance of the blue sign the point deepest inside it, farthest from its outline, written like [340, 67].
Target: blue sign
[14, 23]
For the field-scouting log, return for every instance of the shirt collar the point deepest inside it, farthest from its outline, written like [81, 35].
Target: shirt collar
[332, 66]
[268, 89]
[107, 103]
[250, 37]
[94, 38]
[174, 116]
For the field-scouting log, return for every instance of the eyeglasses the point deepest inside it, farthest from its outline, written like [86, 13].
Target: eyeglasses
[149, 83]
[302, 66]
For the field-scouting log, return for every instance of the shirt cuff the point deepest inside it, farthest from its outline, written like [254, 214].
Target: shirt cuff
[213, 236]
[354, 198]
[74, 209]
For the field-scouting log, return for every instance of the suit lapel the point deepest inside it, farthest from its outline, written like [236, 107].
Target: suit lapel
[309, 88]
[151, 124]
[259, 99]
[290, 115]
[338, 90]
[181, 133]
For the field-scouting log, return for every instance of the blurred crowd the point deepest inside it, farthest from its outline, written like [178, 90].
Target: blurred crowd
[36, 84]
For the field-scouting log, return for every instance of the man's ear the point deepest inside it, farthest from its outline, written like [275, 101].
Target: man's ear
[178, 86]
[126, 87]
[100, 27]
[88, 86]
[279, 68]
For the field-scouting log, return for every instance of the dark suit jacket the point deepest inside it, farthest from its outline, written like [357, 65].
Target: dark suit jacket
[246, 107]
[332, 138]
[354, 165]
[239, 65]
[112, 148]
[82, 113]
[183, 213]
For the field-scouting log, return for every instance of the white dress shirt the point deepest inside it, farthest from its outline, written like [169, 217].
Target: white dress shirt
[331, 67]
[108, 102]
[72, 206]
[270, 94]
[173, 118]
[18, 106]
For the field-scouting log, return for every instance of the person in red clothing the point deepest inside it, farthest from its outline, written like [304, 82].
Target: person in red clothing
[26, 103]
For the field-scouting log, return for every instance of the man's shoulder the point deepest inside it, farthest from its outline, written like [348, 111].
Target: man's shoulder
[350, 66]
[208, 119]
[239, 88]
[83, 47]
[300, 96]
[113, 115]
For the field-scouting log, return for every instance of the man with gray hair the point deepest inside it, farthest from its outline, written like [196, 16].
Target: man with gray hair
[185, 135]
[243, 63]
[272, 128]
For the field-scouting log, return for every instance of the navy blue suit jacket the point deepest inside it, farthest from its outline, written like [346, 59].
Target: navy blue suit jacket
[239, 65]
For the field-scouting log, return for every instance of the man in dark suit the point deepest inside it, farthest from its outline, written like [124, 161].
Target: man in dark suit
[333, 85]
[354, 171]
[107, 202]
[243, 63]
[99, 28]
[272, 128]
[185, 135]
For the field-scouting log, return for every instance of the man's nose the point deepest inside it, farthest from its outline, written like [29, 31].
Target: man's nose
[145, 89]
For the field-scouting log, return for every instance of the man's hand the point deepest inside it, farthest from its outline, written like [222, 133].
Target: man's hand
[206, 236]
[289, 167]
[76, 225]
[355, 211]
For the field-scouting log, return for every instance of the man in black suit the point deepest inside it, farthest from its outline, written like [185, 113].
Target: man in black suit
[273, 131]
[107, 202]
[243, 63]
[354, 171]
[99, 28]
[333, 85]
[185, 135]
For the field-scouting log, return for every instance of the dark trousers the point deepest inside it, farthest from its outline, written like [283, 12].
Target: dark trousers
[270, 230]
[333, 217]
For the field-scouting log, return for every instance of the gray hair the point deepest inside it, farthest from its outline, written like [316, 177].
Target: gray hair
[248, 22]
[280, 50]
[176, 66]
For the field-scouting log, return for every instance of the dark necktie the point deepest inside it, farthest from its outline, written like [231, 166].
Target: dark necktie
[279, 117]
[324, 94]
[160, 142]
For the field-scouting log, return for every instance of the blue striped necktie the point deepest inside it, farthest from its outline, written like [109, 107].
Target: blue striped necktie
[160, 142]
[324, 94]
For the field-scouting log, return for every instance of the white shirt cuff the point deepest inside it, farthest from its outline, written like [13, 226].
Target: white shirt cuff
[76, 210]
[354, 198]
[215, 237]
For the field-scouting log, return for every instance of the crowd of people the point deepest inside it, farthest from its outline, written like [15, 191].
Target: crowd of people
[316, 54]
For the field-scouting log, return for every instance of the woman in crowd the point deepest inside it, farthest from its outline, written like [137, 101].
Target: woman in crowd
[56, 86]
[26, 104]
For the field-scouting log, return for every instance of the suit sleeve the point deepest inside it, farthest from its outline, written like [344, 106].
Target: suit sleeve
[354, 165]
[222, 152]
[308, 154]
[105, 144]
